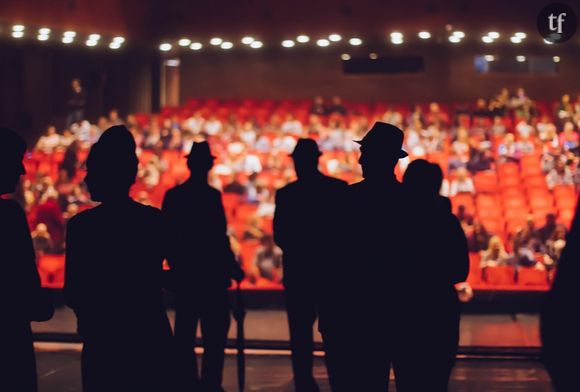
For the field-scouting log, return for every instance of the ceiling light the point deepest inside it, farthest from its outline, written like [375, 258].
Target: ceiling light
[487, 39]
[493, 34]
[67, 40]
[454, 39]
[18, 34]
[256, 44]
[334, 37]
[489, 57]
[288, 43]
[345, 56]
[515, 40]
[247, 40]
[91, 42]
[396, 41]
[396, 35]
[94, 37]
[520, 59]
[459, 34]
[184, 42]
[373, 56]
[18, 28]
[216, 41]
[44, 31]
[165, 47]
[114, 45]
[556, 59]
[424, 35]
[322, 42]
[355, 41]
[520, 35]
[547, 42]
[70, 34]
[42, 37]
[226, 45]
[195, 46]
[119, 39]
[303, 38]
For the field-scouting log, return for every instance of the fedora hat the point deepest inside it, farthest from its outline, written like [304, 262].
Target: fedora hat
[200, 151]
[306, 148]
[384, 137]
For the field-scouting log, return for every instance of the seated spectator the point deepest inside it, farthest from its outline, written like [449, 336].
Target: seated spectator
[548, 135]
[291, 126]
[525, 245]
[525, 145]
[564, 111]
[318, 107]
[48, 212]
[522, 105]
[479, 238]
[66, 139]
[416, 115]
[498, 127]
[465, 219]
[114, 118]
[462, 183]
[508, 150]
[212, 126]
[235, 185]
[495, 255]
[41, 240]
[459, 150]
[253, 230]
[391, 116]
[554, 247]
[569, 137]
[546, 232]
[499, 105]
[269, 260]
[479, 159]
[50, 141]
[194, 124]
[524, 129]
[561, 174]
[481, 114]
[436, 116]
[336, 106]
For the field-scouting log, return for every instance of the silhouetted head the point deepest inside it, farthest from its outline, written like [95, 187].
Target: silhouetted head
[550, 219]
[423, 178]
[200, 159]
[12, 149]
[381, 150]
[112, 165]
[305, 155]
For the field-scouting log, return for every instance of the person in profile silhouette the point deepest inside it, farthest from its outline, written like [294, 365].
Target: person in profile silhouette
[440, 261]
[299, 221]
[21, 298]
[559, 317]
[113, 278]
[364, 286]
[203, 265]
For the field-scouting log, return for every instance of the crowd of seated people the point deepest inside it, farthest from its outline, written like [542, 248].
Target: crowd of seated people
[508, 161]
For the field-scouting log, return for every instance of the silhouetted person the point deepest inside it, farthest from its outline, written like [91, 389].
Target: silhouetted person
[21, 298]
[559, 318]
[300, 220]
[76, 103]
[365, 284]
[440, 259]
[114, 259]
[203, 265]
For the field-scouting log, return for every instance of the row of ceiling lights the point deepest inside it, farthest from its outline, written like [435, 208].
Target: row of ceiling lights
[68, 37]
[396, 38]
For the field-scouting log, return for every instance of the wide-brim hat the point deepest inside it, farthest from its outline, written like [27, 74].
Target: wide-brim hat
[306, 148]
[200, 151]
[384, 137]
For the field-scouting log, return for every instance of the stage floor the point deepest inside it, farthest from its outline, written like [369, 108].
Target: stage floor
[480, 330]
[59, 371]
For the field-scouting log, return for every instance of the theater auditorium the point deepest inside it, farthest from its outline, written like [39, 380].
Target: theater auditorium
[474, 86]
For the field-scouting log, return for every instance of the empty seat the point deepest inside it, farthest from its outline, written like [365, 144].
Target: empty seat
[500, 275]
[532, 277]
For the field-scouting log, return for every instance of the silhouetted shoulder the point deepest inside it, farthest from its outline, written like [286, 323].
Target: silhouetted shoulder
[335, 182]
[10, 208]
[288, 188]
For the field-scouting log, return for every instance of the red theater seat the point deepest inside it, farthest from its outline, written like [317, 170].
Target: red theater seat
[501, 275]
[532, 277]
[51, 271]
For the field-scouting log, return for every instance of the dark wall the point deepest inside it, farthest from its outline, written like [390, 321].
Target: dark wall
[35, 83]
[449, 75]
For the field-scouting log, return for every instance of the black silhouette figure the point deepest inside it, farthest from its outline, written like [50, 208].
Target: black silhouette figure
[21, 298]
[114, 259]
[559, 319]
[364, 287]
[203, 265]
[440, 259]
[300, 219]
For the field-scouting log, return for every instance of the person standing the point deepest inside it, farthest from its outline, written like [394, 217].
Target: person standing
[299, 221]
[113, 277]
[21, 297]
[76, 103]
[203, 265]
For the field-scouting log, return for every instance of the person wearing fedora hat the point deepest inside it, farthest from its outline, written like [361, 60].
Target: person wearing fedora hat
[299, 223]
[203, 265]
[21, 292]
[360, 326]
[113, 276]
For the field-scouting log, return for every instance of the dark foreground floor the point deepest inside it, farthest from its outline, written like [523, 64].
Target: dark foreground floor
[59, 372]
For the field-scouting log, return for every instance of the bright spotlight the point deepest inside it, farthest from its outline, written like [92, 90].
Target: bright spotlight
[184, 42]
[67, 40]
[216, 41]
[226, 45]
[195, 46]
[515, 40]
[114, 45]
[493, 34]
[91, 42]
[454, 39]
[345, 56]
[489, 58]
[42, 37]
[247, 40]
[424, 35]
[70, 34]
[165, 47]
[94, 37]
[355, 41]
[396, 35]
[44, 31]
[288, 43]
[459, 34]
[520, 59]
[487, 39]
[119, 40]
[373, 56]
[17, 34]
[520, 35]
[322, 42]
[303, 39]
[18, 28]
[556, 59]
[334, 37]
[256, 44]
